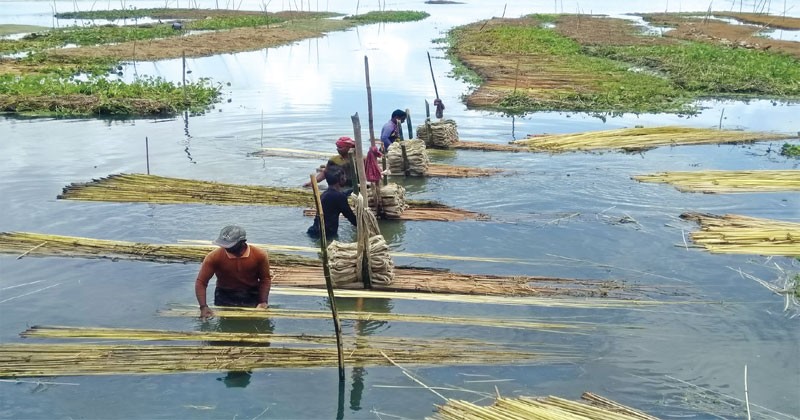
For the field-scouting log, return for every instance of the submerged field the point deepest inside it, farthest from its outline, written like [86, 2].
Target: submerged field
[600, 64]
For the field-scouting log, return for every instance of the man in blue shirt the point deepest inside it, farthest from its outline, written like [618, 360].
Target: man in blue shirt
[334, 203]
[390, 131]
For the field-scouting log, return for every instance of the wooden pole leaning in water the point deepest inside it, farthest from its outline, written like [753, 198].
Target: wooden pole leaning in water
[362, 179]
[371, 124]
[408, 123]
[147, 154]
[435, 89]
[323, 242]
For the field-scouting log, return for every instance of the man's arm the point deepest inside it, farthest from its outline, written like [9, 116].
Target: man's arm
[344, 207]
[201, 286]
[265, 283]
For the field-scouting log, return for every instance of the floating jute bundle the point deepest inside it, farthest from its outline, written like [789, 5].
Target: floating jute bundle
[345, 259]
[342, 260]
[438, 134]
[393, 199]
[416, 154]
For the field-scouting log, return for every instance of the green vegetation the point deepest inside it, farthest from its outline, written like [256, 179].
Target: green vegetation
[790, 150]
[797, 283]
[389, 16]
[43, 95]
[522, 66]
[705, 69]
[6, 29]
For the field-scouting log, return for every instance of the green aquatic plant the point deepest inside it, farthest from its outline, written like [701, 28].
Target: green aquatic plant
[790, 150]
[389, 16]
[52, 95]
[714, 70]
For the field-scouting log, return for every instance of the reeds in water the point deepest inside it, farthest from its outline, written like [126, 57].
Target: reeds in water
[728, 181]
[635, 139]
[734, 234]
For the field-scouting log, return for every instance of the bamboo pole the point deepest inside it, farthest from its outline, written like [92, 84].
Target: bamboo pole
[323, 241]
[408, 123]
[363, 235]
[435, 89]
[369, 101]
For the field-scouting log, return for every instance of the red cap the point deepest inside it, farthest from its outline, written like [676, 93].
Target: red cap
[345, 143]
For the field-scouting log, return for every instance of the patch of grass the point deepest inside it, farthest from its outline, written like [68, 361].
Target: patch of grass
[711, 70]
[790, 150]
[389, 16]
[543, 17]
[52, 95]
[6, 29]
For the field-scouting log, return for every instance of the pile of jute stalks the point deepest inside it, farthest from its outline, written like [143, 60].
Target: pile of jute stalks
[641, 138]
[545, 408]
[734, 234]
[728, 181]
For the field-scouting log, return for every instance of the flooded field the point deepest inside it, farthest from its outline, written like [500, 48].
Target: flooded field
[575, 215]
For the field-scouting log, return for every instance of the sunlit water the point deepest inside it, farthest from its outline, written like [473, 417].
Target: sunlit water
[559, 215]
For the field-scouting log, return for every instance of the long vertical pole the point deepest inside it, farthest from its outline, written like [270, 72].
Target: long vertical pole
[435, 89]
[369, 102]
[362, 179]
[323, 242]
[408, 123]
[147, 153]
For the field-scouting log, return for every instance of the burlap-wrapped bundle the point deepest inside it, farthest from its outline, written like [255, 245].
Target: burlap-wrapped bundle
[438, 134]
[418, 160]
[393, 199]
[342, 261]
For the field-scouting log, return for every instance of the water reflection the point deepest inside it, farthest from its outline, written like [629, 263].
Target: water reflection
[361, 328]
[237, 378]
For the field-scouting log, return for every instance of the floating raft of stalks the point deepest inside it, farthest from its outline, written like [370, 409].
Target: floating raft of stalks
[733, 234]
[250, 313]
[140, 188]
[488, 147]
[547, 408]
[434, 169]
[296, 271]
[32, 360]
[635, 139]
[728, 181]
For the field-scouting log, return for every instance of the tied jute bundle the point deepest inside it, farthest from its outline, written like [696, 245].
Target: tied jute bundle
[346, 259]
[393, 199]
[416, 154]
[438, 134]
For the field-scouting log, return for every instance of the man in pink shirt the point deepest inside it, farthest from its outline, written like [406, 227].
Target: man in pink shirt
[242, 272]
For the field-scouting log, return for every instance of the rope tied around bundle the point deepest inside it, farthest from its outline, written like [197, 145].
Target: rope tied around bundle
[346, 259]
[415, 155]
[438, 134]
[393, 200]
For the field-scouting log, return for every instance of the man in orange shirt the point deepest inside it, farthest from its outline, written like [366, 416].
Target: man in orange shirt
[242, 271]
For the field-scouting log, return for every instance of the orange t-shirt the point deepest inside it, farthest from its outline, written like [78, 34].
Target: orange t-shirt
[236, 273]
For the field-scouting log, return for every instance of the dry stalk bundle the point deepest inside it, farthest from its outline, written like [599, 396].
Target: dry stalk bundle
[297, 271]
[728, 181]
[550, 408]
[248, 313]
[163, 190]
[641, 138]
[72, 246]
[393, 199]
[343, 258]
[440, 134]
[32, 360]
[416, 155]
[734, 234]
[488, 147]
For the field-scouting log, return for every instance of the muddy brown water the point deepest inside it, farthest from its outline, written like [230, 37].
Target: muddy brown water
[573, 215]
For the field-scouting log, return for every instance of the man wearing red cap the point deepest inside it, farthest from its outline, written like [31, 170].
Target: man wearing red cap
[342, 160]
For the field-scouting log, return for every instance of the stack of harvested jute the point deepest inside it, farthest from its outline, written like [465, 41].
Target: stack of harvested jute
[393, 199]
[346, 259]
[416, 154]
[438, 134]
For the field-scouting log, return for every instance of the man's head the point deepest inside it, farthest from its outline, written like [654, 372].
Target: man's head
[334, 175]
[344, 144]
[232, 238]
[399, 115]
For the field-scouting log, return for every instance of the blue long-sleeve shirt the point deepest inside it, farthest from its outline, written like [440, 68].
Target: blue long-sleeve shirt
[389, 134]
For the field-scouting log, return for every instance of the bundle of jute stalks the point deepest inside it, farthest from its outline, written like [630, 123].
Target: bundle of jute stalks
[438, 134]
[413, 162]
[342, 260]
[346, 259]
[393, 199]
